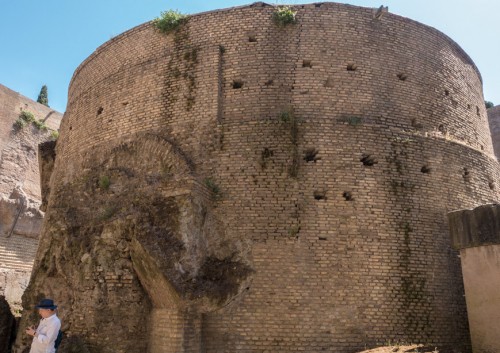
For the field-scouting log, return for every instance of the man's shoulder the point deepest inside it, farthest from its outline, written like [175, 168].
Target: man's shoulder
[54, 318]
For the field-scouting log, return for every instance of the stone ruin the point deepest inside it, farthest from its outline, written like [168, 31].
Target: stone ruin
[240, 186]
[20, 196]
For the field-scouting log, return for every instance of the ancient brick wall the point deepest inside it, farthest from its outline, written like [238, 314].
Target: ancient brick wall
[494, 121]
[332, 150]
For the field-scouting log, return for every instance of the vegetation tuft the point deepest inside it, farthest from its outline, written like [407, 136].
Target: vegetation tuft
[213, 187]
[27, 116]
[24, 119]
[284, 15]
[104, 182]
[19, 124]
[54, 135]
[169, 21]
[40, 125]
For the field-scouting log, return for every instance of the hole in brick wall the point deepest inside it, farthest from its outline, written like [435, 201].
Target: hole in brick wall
[317, 5]
[321, 238]
[269, 82]
[310, 155]
[402, 76]
[267, 153]
[469, 106]
[237, 84]
[252, 38]
[482, 147]
[466, 174]
[264, 157]
[425, 169]
[306, 63]
[71, 127]
[478, 111]
[348, 196]
[222, 49]
[491, 184]
[351, 67]
[442, 129]
[100, 110]
[416, 124]
[329, 82]
[368, 160]
[124, 103]
[446, 92]
[320, 195]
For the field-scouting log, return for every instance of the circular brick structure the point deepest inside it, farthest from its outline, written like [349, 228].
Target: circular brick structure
[304, 174]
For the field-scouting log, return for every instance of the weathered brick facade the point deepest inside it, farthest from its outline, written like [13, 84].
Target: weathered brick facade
[494, 120]
[244, 187]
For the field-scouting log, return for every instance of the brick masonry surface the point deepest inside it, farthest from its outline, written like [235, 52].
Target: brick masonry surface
[301, 174]
[494, 120]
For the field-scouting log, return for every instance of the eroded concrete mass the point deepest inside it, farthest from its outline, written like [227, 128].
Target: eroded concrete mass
[238, 186]
[20, 216]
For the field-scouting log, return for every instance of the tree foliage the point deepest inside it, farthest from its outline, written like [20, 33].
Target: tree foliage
[489, 104]
[43, 97]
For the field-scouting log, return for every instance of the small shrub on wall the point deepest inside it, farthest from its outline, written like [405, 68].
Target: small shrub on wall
[169, 21]
[284, 15]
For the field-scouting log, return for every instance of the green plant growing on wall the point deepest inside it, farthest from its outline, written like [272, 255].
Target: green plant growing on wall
[285, 116]
[20, 124]
[284, 15]
[169, 21]
[104, 182]
[107, 212]
[40, 125]
[54, 135]
[354, 120]
[213, 187]
[27, 116]
[488, 104]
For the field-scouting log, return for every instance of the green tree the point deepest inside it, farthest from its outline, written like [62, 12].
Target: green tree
[43, 96]
[489, 104]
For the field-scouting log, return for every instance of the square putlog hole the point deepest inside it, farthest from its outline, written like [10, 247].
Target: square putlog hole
[237, 84]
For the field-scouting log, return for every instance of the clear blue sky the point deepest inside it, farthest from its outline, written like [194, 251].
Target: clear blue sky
[43, 42]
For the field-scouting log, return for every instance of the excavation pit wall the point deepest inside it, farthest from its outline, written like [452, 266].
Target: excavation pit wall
[315, 163]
